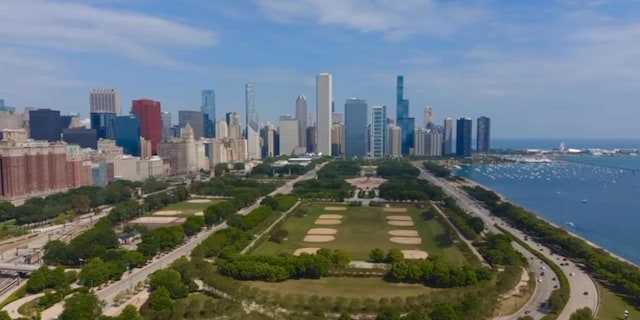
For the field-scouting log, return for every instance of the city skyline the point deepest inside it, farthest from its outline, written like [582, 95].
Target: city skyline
[479, 59]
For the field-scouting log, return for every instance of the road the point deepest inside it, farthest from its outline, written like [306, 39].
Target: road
[579, 281]
[128, 280]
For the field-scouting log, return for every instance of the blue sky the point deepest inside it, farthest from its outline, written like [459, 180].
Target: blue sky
[548, 68]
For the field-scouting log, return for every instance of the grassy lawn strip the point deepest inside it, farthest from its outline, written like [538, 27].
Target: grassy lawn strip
[564, 290]
[346, 287]
[187, 208]
[613, 306]
[18, 294]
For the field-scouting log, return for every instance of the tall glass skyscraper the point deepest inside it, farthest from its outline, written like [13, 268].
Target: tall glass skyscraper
[483, 135]
[301, 115]
[447, 139]
[127, 134]
[103, 123]
[208, 109]
[252, 125]
[379, 130]
[355, 130]
[406, 123]
[463, 137]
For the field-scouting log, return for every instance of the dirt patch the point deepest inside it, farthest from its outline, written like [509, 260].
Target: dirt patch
[200, 213]
[330, 216]
[328, 221]
[404, 233]
[199, 201]
[395, 209]
[400, 223]
[167, 213]
[322, 231]
[335, 208]
[415, 254]
[406, 240]
[305, 250]
[400, 218]
[319, 238]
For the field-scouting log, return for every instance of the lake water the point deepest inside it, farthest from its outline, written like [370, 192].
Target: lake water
[595, 197]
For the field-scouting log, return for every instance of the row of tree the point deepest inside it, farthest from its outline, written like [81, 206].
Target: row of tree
[434, 272]
[230, 186]
[622, 277]
[265, 169]
[469, 226]
[389, 169]
[410, 189]
[436, 169]
[284, 266]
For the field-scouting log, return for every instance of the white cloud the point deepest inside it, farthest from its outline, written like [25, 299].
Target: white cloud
[78, 27]
[394, 19]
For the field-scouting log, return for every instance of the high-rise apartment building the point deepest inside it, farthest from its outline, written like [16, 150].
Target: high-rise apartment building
[337, 139]
[149, 113]
[311, 140]
[394, 141]
[45, 124]
[222, 129]
[428, 117]
[193, 118]
[252, 125]
[166, 125]
[483, 137]
[463, 137]
[447, 137]
[428, 143]
[406, 123]
[288, 132]
[355, 122]
[267, 135]
[324, 97]
[208, 109]
[301, 115]
[378, 140]
[85, 138]
[102, 122]
[127, 134]
[105, 100]
[233, 124]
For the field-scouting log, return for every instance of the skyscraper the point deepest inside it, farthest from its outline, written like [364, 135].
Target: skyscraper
[428, 143]
[252, 125]
[428, 117]
[394, 141]
[103, 123]
[447, 138]
[324, 97]
[166, 125]
[483, 135]
[301, 115]
[105, 100]
[406, 123]
[356, 111]
[127, 134]
[148, 111]
[208, 108]
[45, 124]
[463, 137]
[233, 125]
[195, 119]
[378, 131]
[288, 129]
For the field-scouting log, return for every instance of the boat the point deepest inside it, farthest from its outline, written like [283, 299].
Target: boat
[570, 223]
[584, 200]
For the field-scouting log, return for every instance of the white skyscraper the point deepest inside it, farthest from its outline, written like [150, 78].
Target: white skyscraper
[301, 115]
[252, 126]
[105, 100]
[378, 134]
[324, 97]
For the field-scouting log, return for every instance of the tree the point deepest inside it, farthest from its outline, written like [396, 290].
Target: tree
[55, 252]
[582, 314]
[171, 280]
[345, 316]
[443, 311]
[5, 316]
[129, 313]
[94, 272]
[388, 314]
[394, 255]
[377, 255]
[160, 303]
[81, 204]
[82, 306]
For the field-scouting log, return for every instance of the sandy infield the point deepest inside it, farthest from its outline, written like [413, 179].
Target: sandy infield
[166, 213]
[335, 208]
[414, 254]
[406, 240]
[395, 209]
[198, 201]
[400, 223]
[328, 221]
[400, 218]
[200, 213]
[320, 238]
[404, 233]
[322, 231]
[305, 250]
[330, 216]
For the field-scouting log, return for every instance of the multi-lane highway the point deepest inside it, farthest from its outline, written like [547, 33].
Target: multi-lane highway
[583, 289]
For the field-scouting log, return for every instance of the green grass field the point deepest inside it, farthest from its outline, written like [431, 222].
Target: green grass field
[362, 229]
[612, 307]
[187, 208]
[344, 287]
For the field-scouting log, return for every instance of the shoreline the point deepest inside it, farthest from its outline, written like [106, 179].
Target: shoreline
[539, 216]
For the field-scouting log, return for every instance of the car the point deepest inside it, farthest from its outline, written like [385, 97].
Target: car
[586, 293]
[539, 280]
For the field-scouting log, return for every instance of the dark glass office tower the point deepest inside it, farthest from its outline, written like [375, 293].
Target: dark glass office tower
[45, 124]
[483, 136]
[355, 131]
[406, 123]
[463, 137]
[102, 122]
[127, 134]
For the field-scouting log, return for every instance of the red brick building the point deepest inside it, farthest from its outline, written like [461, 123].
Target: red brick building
[149, 113]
